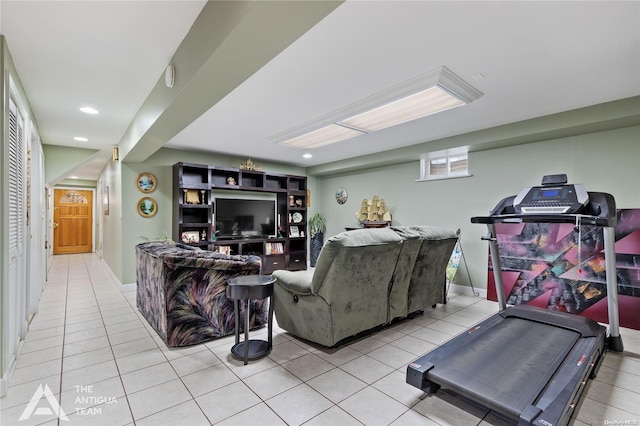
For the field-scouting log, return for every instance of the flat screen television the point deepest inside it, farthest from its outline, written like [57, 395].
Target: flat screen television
[245, 215]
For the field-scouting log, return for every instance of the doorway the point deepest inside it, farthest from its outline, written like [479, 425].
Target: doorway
[72, 221]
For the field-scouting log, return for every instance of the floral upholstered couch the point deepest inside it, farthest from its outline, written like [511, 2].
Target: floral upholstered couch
[182, 292]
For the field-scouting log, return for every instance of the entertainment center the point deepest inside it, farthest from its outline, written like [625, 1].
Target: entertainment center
[236, 211]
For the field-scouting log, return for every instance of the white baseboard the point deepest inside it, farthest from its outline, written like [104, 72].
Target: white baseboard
[465, 290]
[128, 287]
[3, 386]
[121, 287]
[6, 379]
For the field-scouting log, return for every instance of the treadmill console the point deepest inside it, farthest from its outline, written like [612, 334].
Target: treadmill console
[551, 198]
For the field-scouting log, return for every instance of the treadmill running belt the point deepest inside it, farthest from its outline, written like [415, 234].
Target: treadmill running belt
[509, 379]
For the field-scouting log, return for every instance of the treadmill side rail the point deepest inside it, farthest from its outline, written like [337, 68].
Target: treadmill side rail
[417, 377]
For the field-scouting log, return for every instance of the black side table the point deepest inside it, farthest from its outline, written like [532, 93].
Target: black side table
[247, 288]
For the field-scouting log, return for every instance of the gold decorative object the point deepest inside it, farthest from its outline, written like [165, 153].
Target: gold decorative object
[373, 212]
[248, 165]
[191, 196]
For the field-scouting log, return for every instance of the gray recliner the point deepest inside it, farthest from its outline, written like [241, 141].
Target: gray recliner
[364, 279]
[420, 280]
[347, 293]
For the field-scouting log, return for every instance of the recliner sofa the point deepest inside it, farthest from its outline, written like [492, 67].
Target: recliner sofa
[182, 292]
[426, 253]
[364, 279]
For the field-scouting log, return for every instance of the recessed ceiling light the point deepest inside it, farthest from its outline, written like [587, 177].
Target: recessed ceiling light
[89, 110]
[80, 139]
[307, 155]
[73, 177]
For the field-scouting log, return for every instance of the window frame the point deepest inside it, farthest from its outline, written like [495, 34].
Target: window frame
[448, 155]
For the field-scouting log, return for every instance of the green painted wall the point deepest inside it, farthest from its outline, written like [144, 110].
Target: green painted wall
[112, 227]
[136, 228]
[602, 161]
[61, 159]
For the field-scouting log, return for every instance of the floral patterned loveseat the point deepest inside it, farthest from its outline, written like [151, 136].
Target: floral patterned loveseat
[181, 291]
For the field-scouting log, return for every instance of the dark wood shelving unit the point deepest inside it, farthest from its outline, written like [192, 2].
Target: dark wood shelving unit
[194, 207]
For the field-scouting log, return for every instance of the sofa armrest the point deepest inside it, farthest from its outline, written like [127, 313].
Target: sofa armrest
[296, 282]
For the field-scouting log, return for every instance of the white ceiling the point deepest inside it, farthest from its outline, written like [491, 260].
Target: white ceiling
[530, 59]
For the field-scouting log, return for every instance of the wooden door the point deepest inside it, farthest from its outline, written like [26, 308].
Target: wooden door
[72, 221]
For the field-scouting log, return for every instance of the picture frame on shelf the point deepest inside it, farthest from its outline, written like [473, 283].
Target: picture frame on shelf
[146, 182]
[190, 237]
[147, 207]
[294, 232]
[224, 250]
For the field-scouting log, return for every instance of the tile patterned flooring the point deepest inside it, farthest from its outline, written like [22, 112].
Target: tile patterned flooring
[105, 366]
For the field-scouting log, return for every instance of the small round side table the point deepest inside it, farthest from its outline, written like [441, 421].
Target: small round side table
[246, 288]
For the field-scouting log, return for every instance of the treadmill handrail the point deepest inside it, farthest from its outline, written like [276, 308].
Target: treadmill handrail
[544, 218]
[599, 211]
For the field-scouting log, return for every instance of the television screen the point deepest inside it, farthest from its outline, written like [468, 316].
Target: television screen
[245, 217]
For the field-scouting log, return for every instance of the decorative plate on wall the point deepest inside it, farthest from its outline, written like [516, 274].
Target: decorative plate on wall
[297, 217]
[146, 182]
[341, 195]
[147, 207]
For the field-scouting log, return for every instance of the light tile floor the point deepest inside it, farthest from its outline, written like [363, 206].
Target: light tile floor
[105, 365]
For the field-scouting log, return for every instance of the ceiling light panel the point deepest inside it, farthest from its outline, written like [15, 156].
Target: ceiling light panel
[429, 93]
[322, 136]
[412, 107]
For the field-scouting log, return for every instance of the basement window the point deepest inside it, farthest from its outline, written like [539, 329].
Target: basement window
[447, 164]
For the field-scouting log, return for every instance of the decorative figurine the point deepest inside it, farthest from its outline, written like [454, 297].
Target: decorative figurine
[248, 165]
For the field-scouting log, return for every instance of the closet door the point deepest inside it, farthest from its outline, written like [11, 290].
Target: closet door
[36, 210]
[15, 287]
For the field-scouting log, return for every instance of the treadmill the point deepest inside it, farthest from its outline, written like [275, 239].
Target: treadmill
[529, 365]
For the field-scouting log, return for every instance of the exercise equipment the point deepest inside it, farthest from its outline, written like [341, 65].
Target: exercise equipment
[526, 364]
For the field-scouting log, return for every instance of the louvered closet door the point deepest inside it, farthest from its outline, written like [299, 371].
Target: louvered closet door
[16, 286]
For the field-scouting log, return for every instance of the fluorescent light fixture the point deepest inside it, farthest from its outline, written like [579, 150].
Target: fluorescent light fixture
[430, 93]
[421, 104]
[89, 110]
[323, 136]
[80, 139]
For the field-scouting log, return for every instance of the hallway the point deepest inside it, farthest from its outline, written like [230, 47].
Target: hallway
[105, 366]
